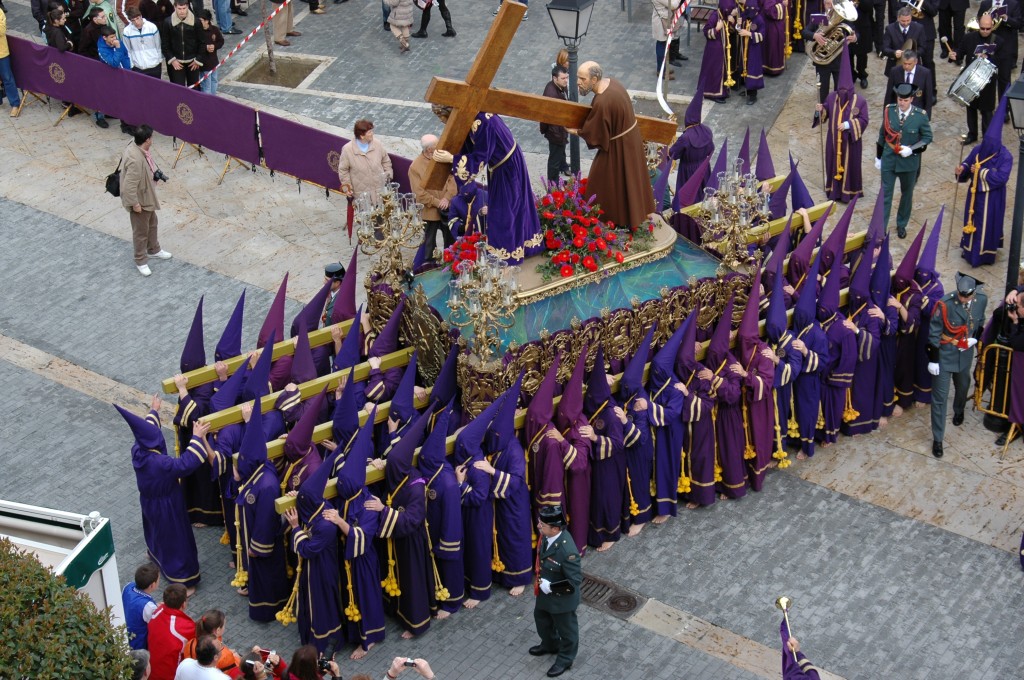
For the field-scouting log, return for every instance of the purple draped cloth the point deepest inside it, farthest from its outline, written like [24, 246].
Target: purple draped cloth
[729, 429]
[987, 199]
[906, 346]
[808, 385]
[760, 402]
[477, 530]
[577, 481]
[699, 440]
[202, 491]
[932, 291]
[402, 522]
[665, 414]
[748, 59]
[864, 388]
[639, 448]
[790, 365]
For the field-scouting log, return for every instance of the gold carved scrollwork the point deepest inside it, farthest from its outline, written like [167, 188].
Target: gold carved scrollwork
[423, 326]
[479, 387]
[381, 303]
[616, 335]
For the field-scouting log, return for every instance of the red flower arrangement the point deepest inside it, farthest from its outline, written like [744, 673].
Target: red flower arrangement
[577, 240]
[464, 249]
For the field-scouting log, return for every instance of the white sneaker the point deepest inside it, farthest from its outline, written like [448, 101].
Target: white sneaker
[144, 269]
[162, 255]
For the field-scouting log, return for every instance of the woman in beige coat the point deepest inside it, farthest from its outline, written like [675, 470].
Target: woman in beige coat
[364, 165]
[401, 21]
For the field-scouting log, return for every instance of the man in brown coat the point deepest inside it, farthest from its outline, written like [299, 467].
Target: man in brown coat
[435, 201]
[138, 196]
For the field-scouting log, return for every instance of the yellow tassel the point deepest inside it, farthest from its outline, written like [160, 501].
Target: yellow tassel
[850, 414]
[783, 464]
[793, 428]
[289, 571]
[241, 575]
[634, 509]
[683, 485]
[224, 538]
[352, 610]
[718, 470]
[821, 419]
[496, 564]
[441, 593]
[970, 228]
[288, 613]
[390, 583]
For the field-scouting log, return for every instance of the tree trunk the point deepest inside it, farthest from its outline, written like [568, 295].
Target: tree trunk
[268, 30]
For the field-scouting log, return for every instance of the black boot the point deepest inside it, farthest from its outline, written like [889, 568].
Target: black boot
[424, 20]
[447, 16]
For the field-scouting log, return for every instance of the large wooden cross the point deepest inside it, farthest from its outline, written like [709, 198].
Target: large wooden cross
[475, 94]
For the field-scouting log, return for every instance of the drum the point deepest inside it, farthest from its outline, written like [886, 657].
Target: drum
[972, 80]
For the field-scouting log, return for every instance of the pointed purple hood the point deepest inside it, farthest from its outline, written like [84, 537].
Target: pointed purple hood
[833, 249]
[744, 154]
[345, 418]
[570, 408]
[765, 169]
[350, 354]
[274, 321]
[778, 203]
[193, 355]
[876, 227]
[433, 453]
[469, 441]
[446, 384]
[230, 343]
[252, 453]
[303, 368]
[399, 463]
[747, 335]
[881, 276]
[992, 140]
[345, 299]
[632, 383]
[689, 193]
[718, 346]
[860, 281]
[539, 411]
[663, 363]
[598, 391]
[904, 275]
[926, 264]
[775, 319]
[147, 435]
[503, 427]
[828, 299]
[720, 165]
[300, 440]
[309, 318]
[773, 266]
[351, 474]
[387, 341]
[403, 408]
[801, 198]
[806, 310]
[229, 392]
[800, 257]
[686, 356]
[258, 382]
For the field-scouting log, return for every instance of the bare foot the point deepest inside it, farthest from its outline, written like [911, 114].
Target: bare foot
[517, 591]
[244, 592]
[774, 464]
[359, 652]
[607, 545]
[825, 445]
[882, 422]
[470, 603]
[442, 614]
[660, 519]
[897, 411]
[801, 456]
[692, 506]
[199, 525]
[722, 497]
[636, 529]
[406, 635]
[919, 404]
[231, 564]
[192, 591]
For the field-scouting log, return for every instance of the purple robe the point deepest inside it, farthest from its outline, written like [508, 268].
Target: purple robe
[478, 530]
[726, 390]
[790, 364]
[319, 588]
[360, 573]
[226, 442]
[512, 520]
[577, 484]
[609, 508]
[776, 36]
[749, 66]
[713, 66]
[665, 414]
[444, 526]
[808, 385]
[837, 376]
[260, 536]
[695, 144]
[932, 291]
[381, 385]
[844, 148]
[699, 441]
[280, 373]
[639, 448]
[988, 200]
[165, 525]
[799, 668]
[202, 493]
[513, 225]
[551, 458]
[865, 389]
[402, 524]
[906, 346]
[760, 404]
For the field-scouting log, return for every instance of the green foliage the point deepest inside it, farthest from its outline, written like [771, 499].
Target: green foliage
[50, 630]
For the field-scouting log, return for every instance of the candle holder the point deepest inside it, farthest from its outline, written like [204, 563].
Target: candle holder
[483, 296]
[728, 213]
[387, 228]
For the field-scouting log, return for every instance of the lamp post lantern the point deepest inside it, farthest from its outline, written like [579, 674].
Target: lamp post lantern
[1015, 95]
[571, 19]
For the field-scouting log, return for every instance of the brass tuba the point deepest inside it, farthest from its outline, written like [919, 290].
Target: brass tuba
[835, 33]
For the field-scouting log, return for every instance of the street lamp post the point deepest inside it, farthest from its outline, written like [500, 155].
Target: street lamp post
[1015, 95]
[571, 19]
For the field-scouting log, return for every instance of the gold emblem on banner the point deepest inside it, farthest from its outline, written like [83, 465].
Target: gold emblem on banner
[57, 74]
[185, 114]
[333, 158]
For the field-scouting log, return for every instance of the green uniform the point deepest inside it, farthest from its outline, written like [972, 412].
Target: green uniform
[916, 133]
[555, 613]
[947, 333]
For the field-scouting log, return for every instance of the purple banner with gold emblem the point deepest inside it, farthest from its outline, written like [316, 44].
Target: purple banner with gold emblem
[295, 149]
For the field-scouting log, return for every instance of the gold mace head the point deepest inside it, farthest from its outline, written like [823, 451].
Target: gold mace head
[784, 603]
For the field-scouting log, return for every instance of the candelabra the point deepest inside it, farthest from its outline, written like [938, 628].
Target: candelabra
[387, 227]
[727, 214]
[483, 296]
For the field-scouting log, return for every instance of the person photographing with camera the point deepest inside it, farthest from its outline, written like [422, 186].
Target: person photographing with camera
[401, 663]
[139, 176]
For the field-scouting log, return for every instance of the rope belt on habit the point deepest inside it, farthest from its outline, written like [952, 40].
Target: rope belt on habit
[623, 134]
[507, 156]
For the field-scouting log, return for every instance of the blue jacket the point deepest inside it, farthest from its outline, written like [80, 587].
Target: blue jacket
[135, 601]
[115, 57]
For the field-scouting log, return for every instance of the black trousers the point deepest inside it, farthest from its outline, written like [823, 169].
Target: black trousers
[558, 633]
[951, 25]
[972, 120]
[430, 230]
[556, 160]
[185, 76]
[153, 72]
[826, 73]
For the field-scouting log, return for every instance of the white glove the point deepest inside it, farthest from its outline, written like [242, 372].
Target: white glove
[933, 368]
[906, 151]
[878, 164]
[545, 586]
[971, 342]
[846, 125]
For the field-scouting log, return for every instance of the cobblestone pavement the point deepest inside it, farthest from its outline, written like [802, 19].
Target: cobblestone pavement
[900, 565]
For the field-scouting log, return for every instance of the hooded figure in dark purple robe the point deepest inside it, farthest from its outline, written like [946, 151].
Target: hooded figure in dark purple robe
[165, 526]
[833, 248]
[280, 370]
[927, 278]
[608, 509]
[986, 171]
[788, 364]
[345, 419]
[748, 61]
[316, 596]
[665, 414]
[226, 443]
[362, 601]
[636, 437]
[776, 36]
[380, 385]
[812, 343]
[444, 516]
[303, 456]
[869, 319]
[881, 283]
[308, 320]
[695, 143]
[466, 214]
[402, 412]
[727, 391]
[795, 666]
[552, 453]
[718, 55]
[202, 492]
[757, 378]
[261, 547]
[477, 505]
[513, 225]
[506, 463]
[697, 481]
[837, 372]
[846, 114]
[908, 305]
[341, 306]
[571, 422]
[408, 574]
[801, 253]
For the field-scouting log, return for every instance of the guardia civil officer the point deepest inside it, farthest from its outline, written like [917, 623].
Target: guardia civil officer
[956, 325]
[558, 591]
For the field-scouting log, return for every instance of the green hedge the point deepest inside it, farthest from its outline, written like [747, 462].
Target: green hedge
[50, 630]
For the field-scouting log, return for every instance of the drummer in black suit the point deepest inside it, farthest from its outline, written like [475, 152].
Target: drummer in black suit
[897, 34]
[1007, 16]
[974, 44]
[920, 77]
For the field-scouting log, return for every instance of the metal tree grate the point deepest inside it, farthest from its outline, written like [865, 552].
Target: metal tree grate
[609, 597]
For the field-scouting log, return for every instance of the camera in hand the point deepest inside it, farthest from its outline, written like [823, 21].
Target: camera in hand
[159, 176]
[324, 662]
[410, 663]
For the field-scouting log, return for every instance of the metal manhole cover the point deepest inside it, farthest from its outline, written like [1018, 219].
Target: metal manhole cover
[622, 603]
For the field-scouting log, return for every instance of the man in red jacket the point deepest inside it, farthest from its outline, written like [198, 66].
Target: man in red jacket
[169, 629]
